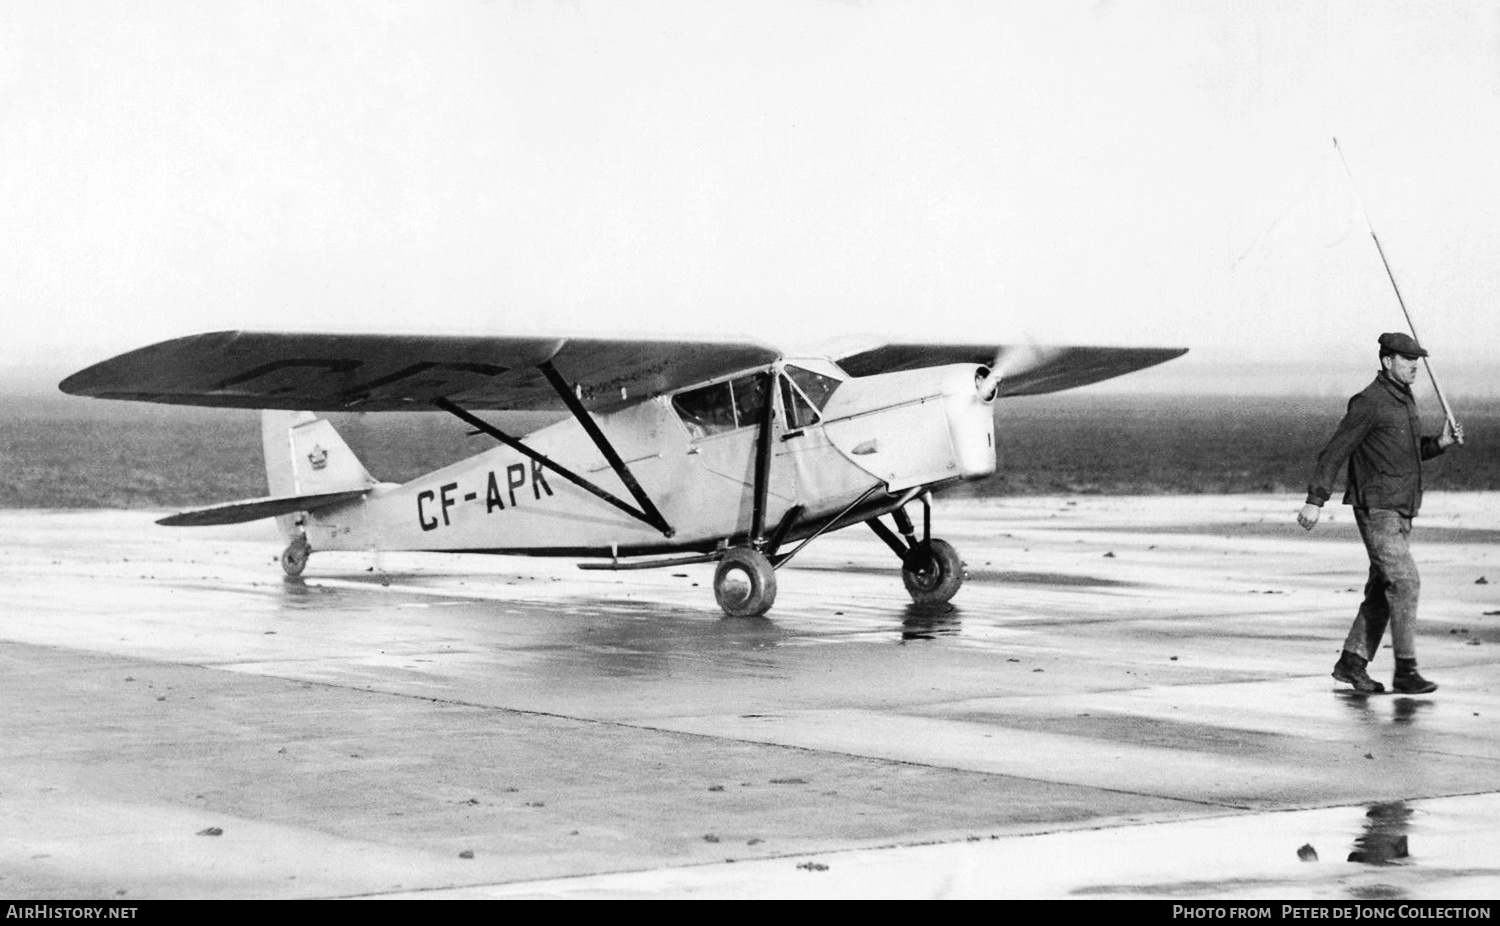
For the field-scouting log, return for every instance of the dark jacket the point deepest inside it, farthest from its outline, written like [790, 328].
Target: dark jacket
[1382, 439]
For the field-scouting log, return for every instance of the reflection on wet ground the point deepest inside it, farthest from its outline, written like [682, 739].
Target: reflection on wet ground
[1407, 709]
[1070, 580]
[660, 640]
[1384, 838]
[297, 595]
[930, 621]
[1369, 708]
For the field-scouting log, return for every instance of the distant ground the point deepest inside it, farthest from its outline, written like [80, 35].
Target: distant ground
[58, 452]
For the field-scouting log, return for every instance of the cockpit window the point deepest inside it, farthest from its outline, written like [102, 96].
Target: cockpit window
[706, 411]
[738, 403]
[799, 411]
[815, 386]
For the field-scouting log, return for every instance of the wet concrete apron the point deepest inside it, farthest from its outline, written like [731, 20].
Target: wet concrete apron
[1130, 697]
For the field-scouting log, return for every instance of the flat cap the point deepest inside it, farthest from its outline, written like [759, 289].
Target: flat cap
[1396, 342]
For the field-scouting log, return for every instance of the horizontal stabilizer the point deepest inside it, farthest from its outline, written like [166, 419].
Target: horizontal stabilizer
[256, 508]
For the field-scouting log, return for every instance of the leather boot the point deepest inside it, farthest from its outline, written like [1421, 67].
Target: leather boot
[1407, 681]
[1351, 669]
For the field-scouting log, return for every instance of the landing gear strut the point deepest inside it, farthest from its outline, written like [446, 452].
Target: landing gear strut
[745, 583]
[294, 557]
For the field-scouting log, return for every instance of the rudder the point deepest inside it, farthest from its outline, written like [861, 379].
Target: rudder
[306, 456]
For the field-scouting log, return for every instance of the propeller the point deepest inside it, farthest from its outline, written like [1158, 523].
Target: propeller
[1010, 360]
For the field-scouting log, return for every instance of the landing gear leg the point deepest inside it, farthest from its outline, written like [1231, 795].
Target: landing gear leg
[294, 557]
[745, 583]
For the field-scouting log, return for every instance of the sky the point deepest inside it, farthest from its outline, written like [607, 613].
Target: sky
[1156, 172]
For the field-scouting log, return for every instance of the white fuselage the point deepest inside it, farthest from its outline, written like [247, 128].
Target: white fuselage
[894, 432]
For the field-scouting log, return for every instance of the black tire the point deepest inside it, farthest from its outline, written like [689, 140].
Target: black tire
[294, 557]
[745, 583]
[932, 572]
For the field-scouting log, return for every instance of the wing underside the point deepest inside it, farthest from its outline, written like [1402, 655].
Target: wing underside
[380, 372]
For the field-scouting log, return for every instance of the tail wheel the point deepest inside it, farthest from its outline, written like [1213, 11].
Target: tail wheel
[932, 572]
[745, 583]
[294, 557]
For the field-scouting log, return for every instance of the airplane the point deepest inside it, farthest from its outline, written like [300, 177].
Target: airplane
[670, 452]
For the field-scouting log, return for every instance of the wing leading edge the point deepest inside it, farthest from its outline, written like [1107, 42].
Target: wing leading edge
[384, 372]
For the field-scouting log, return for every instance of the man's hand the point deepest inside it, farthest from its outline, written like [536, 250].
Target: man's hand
[1308, 516]
[1453, 433]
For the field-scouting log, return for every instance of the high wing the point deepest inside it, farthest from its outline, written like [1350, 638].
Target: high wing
[1025, 369]
[388, 372]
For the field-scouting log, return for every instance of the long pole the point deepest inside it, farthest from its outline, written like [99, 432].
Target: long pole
[1447, 410]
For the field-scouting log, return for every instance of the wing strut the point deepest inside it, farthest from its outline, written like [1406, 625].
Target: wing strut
[763, 464]
[647, 512]
[570, 399]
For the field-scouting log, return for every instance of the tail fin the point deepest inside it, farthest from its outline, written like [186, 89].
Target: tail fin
[306, 456]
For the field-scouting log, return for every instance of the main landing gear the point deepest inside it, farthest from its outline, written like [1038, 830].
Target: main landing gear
[930, 568]
[745, 582]
[933, 572]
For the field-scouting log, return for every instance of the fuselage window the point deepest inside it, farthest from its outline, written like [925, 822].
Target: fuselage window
[738, 403]
[815, 386]
[749, 399]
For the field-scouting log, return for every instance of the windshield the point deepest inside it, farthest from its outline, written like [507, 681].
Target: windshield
[815, 386]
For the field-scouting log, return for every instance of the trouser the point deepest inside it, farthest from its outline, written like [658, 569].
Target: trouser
[1392, 589]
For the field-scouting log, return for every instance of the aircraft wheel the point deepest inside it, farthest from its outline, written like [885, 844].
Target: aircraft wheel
[294, 557]
[933, 572]
[745, 583]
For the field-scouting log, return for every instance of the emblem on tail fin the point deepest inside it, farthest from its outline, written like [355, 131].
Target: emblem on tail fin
[318, 458]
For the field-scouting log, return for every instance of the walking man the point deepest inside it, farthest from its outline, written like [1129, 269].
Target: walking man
[1381, 438]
